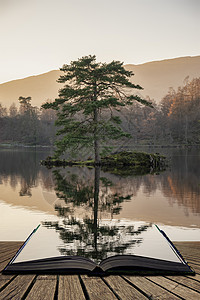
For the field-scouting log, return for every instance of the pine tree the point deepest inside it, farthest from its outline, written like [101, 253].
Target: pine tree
[85, 106]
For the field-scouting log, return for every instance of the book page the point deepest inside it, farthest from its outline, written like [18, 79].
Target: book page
[114, 237]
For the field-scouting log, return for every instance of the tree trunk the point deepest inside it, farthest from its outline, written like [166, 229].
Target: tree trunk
[96, 144]
[96, 202]
[96, 134]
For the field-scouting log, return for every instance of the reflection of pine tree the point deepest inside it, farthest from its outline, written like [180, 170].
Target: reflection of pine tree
[90, 237]
[75, 191]
[79, 237]
[110, 201]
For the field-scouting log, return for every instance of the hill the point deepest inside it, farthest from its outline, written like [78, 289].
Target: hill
[39, 87]
[155, 77]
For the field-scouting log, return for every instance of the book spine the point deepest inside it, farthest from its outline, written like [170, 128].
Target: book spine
[22, 247]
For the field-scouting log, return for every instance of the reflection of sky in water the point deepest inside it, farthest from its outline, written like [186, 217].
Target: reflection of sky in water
[171, 198]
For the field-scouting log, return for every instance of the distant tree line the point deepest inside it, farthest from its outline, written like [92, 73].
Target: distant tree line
[175, 120]
[27, 124]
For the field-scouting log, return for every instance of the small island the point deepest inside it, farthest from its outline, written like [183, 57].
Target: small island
[129, 160]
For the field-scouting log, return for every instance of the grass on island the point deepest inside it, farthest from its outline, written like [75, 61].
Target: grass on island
[117, 162]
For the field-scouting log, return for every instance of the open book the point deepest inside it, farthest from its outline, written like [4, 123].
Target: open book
[149, 251]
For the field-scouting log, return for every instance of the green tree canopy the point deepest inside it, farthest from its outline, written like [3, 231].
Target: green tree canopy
[85, 106]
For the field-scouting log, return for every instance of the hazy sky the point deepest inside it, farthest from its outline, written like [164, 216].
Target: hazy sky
[37, 36]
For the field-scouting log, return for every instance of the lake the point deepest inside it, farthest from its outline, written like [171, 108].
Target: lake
[85, 198]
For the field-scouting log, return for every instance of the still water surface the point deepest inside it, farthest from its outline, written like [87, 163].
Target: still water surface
[84, 198]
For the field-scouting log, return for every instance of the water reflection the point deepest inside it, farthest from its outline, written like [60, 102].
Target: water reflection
[90, 237]
[181, 184]
[88, 190]
[171, 197]
[15, 166]
[23, 182]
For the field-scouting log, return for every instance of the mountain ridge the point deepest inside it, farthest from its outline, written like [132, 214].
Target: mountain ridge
[165, 60]
[155, 77]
